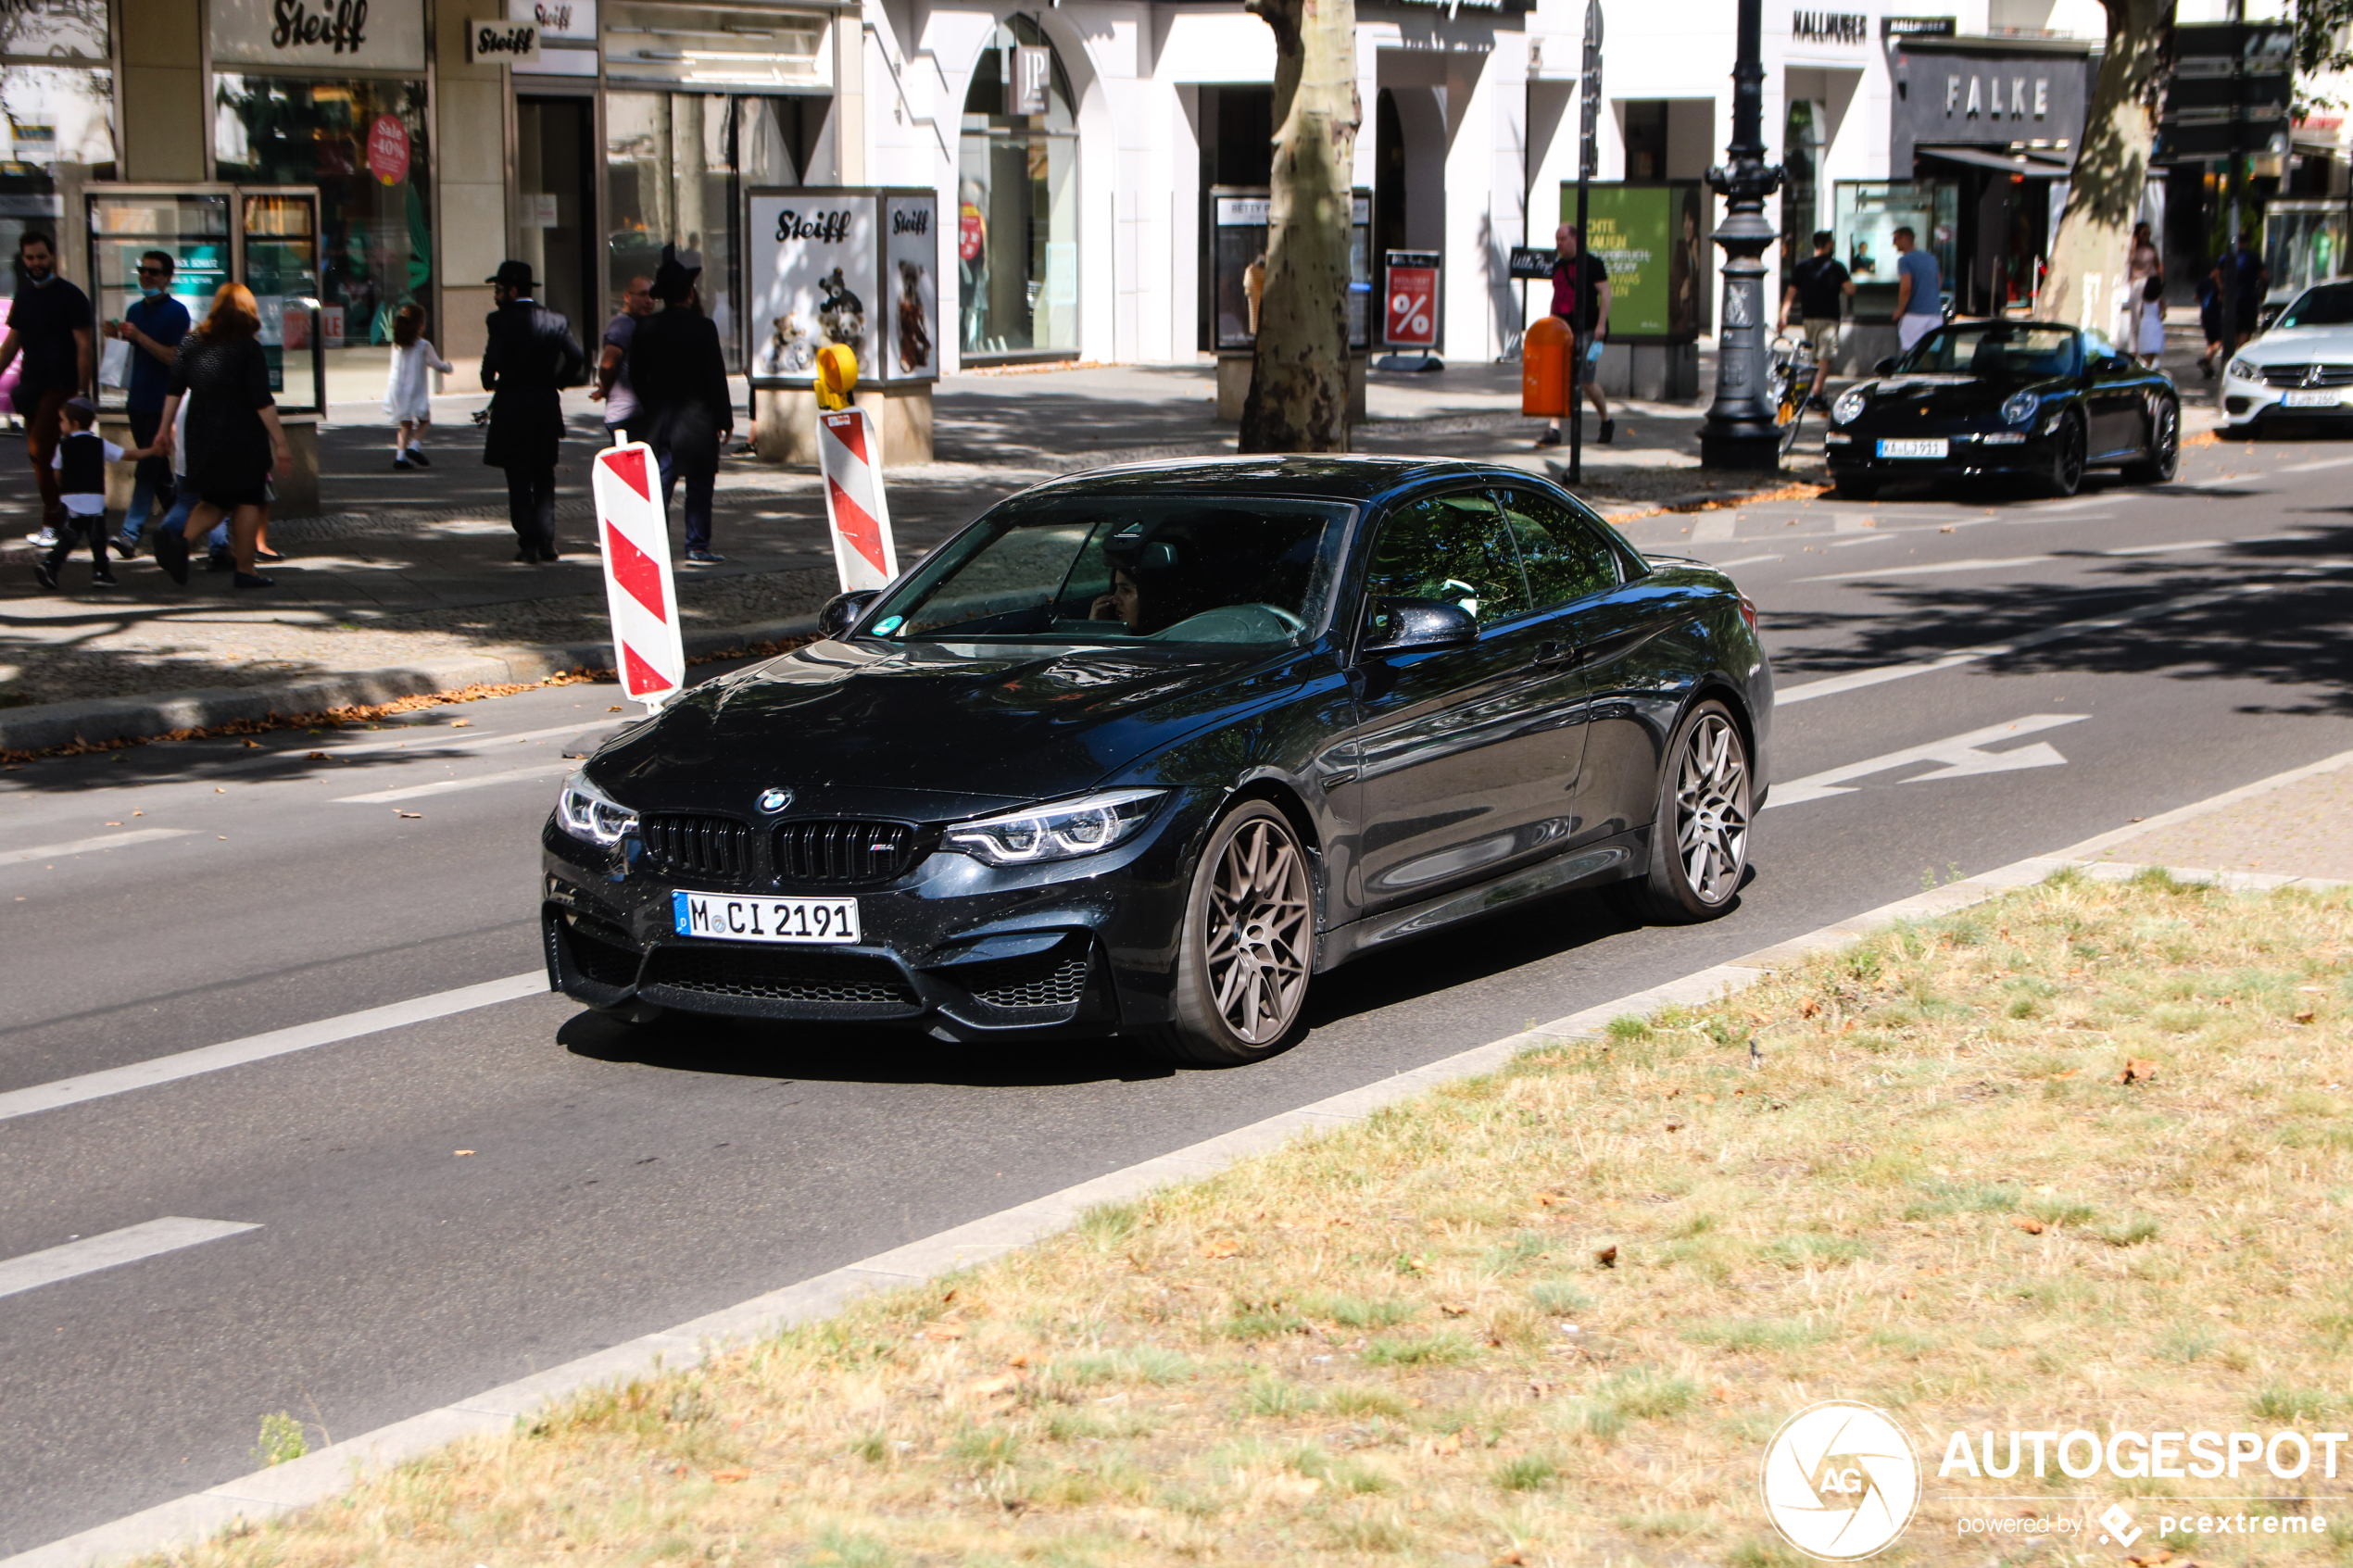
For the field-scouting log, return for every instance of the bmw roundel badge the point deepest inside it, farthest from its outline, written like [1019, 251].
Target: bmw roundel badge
[775, 800]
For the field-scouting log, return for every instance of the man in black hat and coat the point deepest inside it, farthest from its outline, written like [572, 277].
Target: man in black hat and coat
[685, 412]
[530, 357]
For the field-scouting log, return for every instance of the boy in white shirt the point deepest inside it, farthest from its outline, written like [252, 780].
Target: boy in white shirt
[81, 463]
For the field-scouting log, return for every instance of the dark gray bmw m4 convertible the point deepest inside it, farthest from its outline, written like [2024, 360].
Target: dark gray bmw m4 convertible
[1146, 749]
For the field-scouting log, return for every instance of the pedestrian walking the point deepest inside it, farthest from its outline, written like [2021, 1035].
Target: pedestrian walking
[1819, 287]
[81, 462]
[48, 342]
[1919, 293]
[612, 388]
[684, 408]
[1581, 297]
[153, 326]
[408, 385]
[233, 436]
[530, 357]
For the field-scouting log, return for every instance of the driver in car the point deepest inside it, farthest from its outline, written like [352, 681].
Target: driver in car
[1123, 603]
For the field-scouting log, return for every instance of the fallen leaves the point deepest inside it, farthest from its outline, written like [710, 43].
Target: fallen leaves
[1512, 1559]
[729, 1477]
[2137, 1071]
[461, 1153]
[2303, 1017]
[947, 1328]
[1607, 1256]
[460, 723]
[251, 745]
[1221, 1247]
[1454, 1309]
[2028, 1223]
[412, 816]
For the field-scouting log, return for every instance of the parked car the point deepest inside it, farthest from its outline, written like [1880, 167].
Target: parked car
[1146, 749]
[2302, 367]
[2033, 400]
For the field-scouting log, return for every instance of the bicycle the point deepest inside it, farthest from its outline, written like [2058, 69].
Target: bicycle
[1789, 379]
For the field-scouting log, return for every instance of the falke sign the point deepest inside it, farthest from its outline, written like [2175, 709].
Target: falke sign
[384, 34]
[825, 227]
[501, 43]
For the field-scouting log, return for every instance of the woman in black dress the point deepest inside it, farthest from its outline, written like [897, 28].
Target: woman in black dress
[234, 439]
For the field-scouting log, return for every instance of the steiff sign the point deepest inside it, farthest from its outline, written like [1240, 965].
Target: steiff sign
[331, 35]
[857, 268]
[502, 42]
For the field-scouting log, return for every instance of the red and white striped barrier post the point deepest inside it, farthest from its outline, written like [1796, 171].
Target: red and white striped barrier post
[647, 652]
[850, 454]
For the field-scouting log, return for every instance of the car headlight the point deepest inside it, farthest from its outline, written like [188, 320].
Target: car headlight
[590, 815]
[1062, 831]
[1849, 406]
[2243, 369]
[2018, 407]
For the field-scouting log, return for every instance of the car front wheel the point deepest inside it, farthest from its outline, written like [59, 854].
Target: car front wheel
[1248, 945]
[2066, 474]
[1699, 840]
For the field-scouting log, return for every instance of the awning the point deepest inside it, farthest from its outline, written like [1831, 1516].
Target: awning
[2041, 165]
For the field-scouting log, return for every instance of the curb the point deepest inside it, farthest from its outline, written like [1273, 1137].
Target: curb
[97, 721]
[316, 1477]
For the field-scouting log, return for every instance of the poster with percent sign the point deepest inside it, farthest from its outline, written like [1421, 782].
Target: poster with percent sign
[1410, 318]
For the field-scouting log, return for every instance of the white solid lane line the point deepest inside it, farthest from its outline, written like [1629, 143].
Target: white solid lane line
[1962, 756]
[85, 846]
[445, 786]
[277, 1042]
[1972, 564]
[110, 1251]
[431, 742]
[2315, 468]
[1859, 679]
[2166, 549]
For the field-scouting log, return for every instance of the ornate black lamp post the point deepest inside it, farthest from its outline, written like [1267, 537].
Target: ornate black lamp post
[1739, 432]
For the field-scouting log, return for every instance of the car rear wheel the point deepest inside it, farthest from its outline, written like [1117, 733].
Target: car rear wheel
[1247, 947]
[1699, 840]
[2066, 475]
[2164, 459]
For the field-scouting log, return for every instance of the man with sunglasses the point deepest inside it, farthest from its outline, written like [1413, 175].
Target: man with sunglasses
[153, 326]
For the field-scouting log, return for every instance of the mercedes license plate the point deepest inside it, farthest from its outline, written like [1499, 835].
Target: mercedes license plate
[1931, 447]
[732, 919]
[2309, 400]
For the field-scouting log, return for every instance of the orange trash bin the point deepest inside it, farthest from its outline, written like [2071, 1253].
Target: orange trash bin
[1543, 367]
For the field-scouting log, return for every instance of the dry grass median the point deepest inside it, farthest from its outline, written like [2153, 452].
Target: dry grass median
[2080, 1157]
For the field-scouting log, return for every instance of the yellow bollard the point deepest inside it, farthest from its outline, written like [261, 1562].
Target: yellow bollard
[836, 376]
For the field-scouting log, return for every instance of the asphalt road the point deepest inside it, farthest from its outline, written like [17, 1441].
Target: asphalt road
[620, 1182]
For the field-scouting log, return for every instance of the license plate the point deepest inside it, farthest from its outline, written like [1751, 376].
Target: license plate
[2309, 400]
[731, 918]
[1920, 448]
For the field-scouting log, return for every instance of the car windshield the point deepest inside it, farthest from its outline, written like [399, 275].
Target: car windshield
[2010, 350]
[1171, 569]
[2329, 304]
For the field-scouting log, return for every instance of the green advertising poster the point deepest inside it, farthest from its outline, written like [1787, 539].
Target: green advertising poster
[1654, 238]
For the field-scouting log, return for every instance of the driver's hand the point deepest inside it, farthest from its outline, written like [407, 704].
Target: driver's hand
[1103, 608]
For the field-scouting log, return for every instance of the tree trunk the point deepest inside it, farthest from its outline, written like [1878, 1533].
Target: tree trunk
[2092, 248]
[1298, 398]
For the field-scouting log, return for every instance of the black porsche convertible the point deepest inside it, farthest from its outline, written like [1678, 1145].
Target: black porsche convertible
[1146, 749]
[2030, 400]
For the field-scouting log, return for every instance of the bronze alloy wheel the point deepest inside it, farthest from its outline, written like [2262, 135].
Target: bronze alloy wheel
[1248, 945]
[1699, 840]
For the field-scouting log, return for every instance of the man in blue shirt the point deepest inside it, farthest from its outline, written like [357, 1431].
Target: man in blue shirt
[153, 327]
[1919, 305]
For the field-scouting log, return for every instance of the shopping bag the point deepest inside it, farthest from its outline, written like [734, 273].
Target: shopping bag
[114, 363]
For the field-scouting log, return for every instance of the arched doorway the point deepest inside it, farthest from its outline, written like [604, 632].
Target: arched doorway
[1018, 202]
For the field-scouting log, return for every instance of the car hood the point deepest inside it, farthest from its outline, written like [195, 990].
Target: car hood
[2298, 345]
[941, 730]
[1953, 393]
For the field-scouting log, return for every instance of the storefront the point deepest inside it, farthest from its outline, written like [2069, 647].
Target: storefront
[56, 112]
[1018, 244]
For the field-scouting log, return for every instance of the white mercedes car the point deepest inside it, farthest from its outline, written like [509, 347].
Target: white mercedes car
[2302, 367]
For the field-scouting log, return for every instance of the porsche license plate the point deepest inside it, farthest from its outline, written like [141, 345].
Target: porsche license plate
[1928, 447]
[729, 917]
[2309, 399]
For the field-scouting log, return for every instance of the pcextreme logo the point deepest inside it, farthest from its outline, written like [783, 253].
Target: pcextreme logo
[1840, 1481]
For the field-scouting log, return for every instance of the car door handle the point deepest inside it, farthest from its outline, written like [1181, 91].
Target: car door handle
[1559, 653]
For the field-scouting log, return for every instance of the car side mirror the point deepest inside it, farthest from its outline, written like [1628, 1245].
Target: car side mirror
[1398, 624]
[841, 612]
[1885, 367]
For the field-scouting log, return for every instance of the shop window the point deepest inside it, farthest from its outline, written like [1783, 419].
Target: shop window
[59, 121]
[361, 142]
[1018, 202]
[1801, 165]
[1647, 139]
[675, 167]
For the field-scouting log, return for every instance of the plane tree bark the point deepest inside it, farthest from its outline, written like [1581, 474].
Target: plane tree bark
[2091, 253]
[1298, 399]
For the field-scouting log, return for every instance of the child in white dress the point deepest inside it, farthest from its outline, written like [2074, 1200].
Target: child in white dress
[408, 388]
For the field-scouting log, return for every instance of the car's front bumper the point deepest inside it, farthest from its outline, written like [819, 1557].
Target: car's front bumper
[2255, 403]
[1968, 454]
[954, 946]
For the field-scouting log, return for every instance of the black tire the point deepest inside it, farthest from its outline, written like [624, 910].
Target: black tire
[2064, 476]
[1699, 838]
[2164, 459]
[1854, 487]
[1247, 948]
